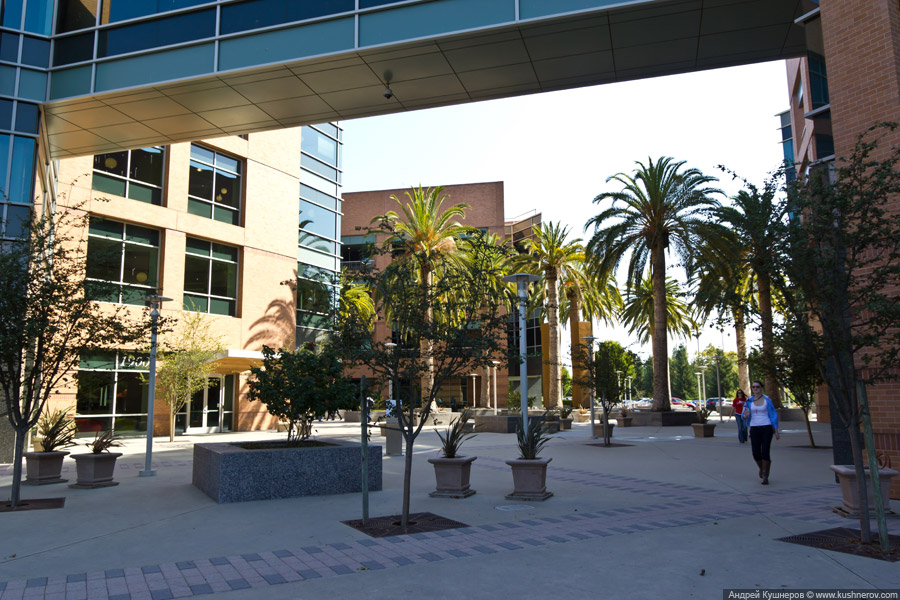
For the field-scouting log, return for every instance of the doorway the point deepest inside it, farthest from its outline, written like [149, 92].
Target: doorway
[211, 410]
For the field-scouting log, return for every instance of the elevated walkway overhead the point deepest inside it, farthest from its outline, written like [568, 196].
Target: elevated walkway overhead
[428, 52]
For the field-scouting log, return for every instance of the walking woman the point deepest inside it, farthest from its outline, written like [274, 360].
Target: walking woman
[762, 418]
[738, 403]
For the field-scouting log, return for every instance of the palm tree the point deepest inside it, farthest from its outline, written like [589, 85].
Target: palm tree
[637, 311]
[550, 255]
[426, 235]
[356, 301]
[663, 207]
[753, 218]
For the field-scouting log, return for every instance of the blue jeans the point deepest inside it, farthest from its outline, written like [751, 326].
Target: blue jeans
[742, 428]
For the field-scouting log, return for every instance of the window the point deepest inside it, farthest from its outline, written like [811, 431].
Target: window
[135, 174]
[111, 392]
[16, 179]
[214, 186]
[210, 278]
[127, 255]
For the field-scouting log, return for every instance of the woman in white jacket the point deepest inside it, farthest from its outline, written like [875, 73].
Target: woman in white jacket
[760, 414]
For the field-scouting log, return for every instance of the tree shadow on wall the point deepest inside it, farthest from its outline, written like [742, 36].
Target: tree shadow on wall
[276, 327]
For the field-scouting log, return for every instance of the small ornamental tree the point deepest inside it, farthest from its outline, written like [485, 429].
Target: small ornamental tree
[300, 386]
[184, 364]
[608, 361]
[49, 317]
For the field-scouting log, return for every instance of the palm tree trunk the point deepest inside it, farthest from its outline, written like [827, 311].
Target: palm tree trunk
[660, 343]
[578, 350]
[765, 317]
[485, 387]
[740, 335]
[555, 386]
[427, 345]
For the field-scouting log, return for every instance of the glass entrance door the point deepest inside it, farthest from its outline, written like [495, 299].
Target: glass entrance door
[205, 410]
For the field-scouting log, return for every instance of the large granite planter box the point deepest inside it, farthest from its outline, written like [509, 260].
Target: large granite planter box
[672, 418]
[229, 473]
[354, 416]
[499, 423]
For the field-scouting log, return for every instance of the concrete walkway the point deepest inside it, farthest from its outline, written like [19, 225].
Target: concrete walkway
[666, 516]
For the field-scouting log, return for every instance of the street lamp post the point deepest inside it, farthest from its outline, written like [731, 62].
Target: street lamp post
[155, 302]
[522, 280]
[699, 397]
[496, 364]
[619, 387]
[590, 348]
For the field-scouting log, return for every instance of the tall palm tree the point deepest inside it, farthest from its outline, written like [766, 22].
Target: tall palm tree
[425, 235]
[638, 311]
[753, 217]
[552, 256]
[662, 207]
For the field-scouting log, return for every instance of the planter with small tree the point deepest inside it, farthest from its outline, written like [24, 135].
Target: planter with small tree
[451, 471]
[703, 428]
[95, 469]
[565, 417]
[529, 471]
[56, 430]
[624, 419]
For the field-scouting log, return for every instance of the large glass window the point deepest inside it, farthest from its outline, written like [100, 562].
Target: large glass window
[124, 254]
[135, 174]
[157, 33]
[214, 185]
[210, 277]
[318, 220]
[112, 393]
[120, 10]
[243, 16]
[16, 184]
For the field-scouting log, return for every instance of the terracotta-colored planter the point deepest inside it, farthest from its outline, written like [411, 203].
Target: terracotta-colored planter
[529, 479]
[702, 430]
[95, 470]
[581, 417]
[565, 423]
[452, 476]
[598, 429]
[850, 491]
[43, 468]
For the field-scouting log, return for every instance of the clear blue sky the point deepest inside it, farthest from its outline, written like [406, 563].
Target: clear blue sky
[554, 151]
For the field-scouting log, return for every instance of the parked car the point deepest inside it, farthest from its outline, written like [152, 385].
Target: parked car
[692, 404]
[643, 403]
[712, 404]
[676, 402]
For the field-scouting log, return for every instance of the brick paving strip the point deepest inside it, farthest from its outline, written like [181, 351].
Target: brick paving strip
[679, 505]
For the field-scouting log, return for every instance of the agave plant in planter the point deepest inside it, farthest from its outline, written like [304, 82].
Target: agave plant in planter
[56, 430]
[703, 428]
[565, 417]
[95, 468]
[529, 471]
[452, 471]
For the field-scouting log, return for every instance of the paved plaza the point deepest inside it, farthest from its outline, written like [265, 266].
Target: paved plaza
[666, 516]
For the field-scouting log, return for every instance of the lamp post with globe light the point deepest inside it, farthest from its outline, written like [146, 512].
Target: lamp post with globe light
[154, 301]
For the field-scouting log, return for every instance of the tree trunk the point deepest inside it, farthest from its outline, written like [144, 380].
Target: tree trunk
[768, 352]
[579, 351]
[865, 531]
[407, 474]
[554, 386]
[740, 336]
[427, 345]
[812, 442]
[18, 457]
[660, 343]
[485, 388]
[171, 424]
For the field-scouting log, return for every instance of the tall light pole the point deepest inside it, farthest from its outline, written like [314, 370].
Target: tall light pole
[699, 397]
[590, 348]
[496, 364]
[619, 382]
[155, 301]
[522, 280]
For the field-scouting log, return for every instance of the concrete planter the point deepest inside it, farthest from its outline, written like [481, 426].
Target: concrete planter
[850, 491]
[598, 429]
[581, 417]
[702, 430]
[624, 421]
[499, 423]
[452, 477]
[672, 418]
[95, 470]
[43, 468]
[565, 423]
[551, 426]
[354, 416]
[529, 479]
[230, 473]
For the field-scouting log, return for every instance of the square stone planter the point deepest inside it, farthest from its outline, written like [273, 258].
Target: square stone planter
[598, 429]
[452, 476]
[624, 421]
[702, 430]
[565, 423]
[43, 468]
[581, 417]
[95, 470]
[229, 473]
[529, 479]
[850, 491]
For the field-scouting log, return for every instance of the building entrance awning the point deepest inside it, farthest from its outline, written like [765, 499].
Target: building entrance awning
[236, 361]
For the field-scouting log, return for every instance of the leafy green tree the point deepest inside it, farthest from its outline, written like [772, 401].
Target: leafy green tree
[660, 208]
[797, 359]
[684, 382]
[184, 363]
[728, 374]
[610, 365]
[552, 256]
[49, 317]
[456, 312]
[301, 386]
[566, 383]
[840, 257]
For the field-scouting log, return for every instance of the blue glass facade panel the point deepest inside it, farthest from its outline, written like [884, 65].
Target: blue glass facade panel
[32, 84]
[22, 170]
[70, 82]
[244, 16]
[158, 33]
[73, 49]
[7, 80]
[35, 52]
[150, 68]
[39, 16]
[529, 9]
[432, 18]
[121, 10]
[12, 14]
[286, 44]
